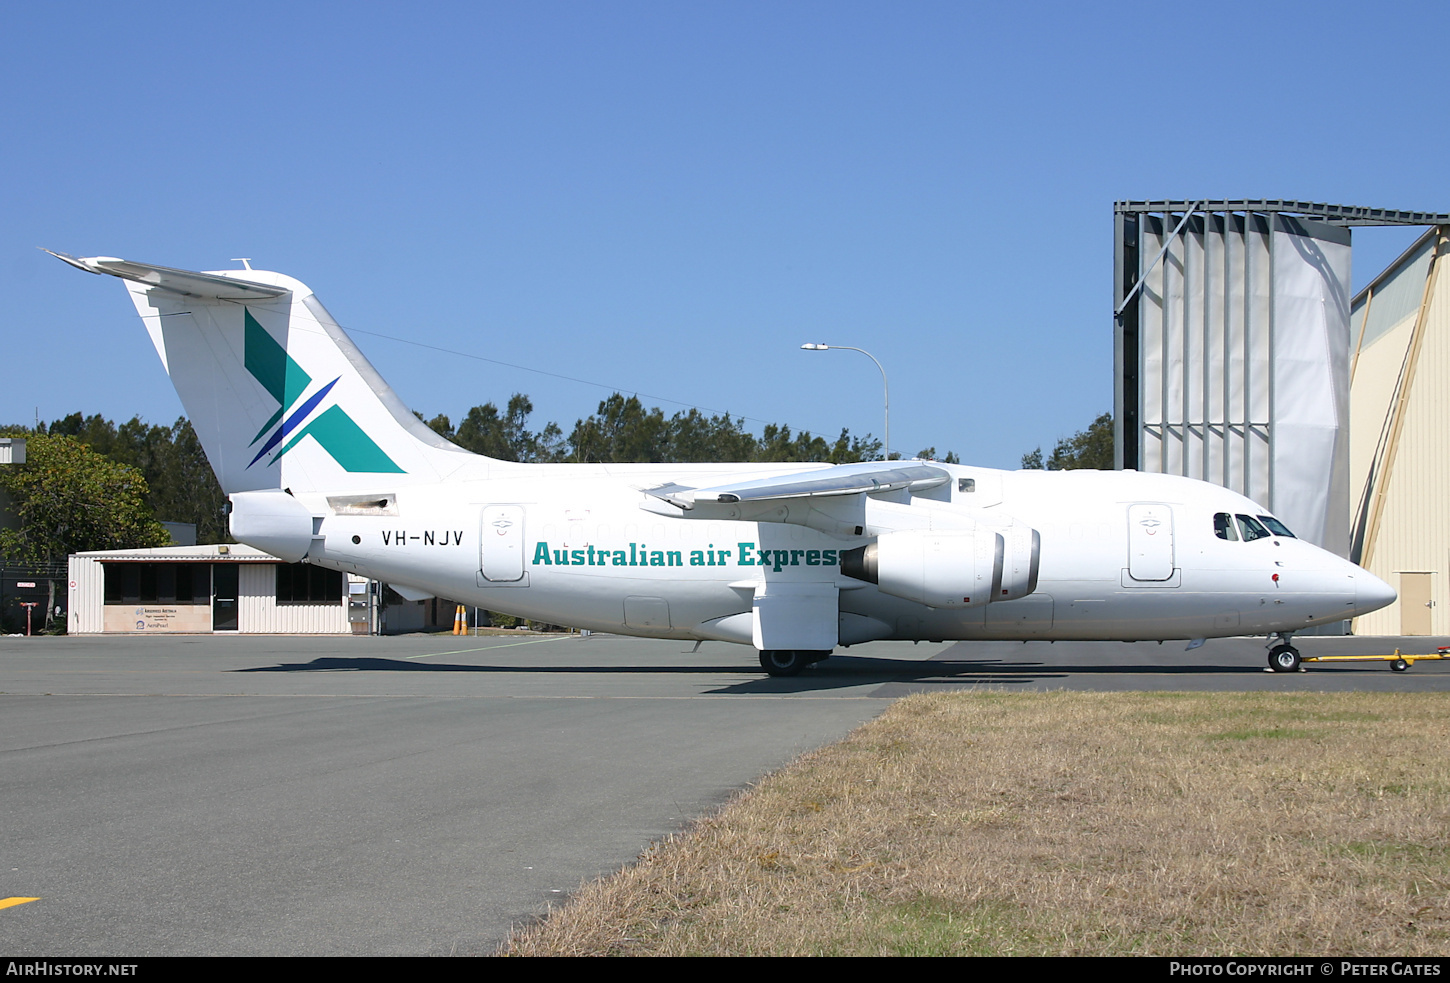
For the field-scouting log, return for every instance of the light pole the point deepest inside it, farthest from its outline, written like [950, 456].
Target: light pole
[886, 390]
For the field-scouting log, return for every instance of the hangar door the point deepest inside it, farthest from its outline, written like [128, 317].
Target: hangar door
[1233, 357]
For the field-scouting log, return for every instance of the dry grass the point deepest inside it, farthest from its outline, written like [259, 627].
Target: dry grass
[1063, 823]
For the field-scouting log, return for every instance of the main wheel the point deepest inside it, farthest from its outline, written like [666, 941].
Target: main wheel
[1284, 658]
[784, 662]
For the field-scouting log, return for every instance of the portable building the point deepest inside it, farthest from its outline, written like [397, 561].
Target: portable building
[204, 589]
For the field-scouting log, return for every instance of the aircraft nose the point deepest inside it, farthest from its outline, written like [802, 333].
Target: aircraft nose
[1371, 593]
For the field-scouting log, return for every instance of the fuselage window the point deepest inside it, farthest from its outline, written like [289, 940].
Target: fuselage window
[1276, 527]
[1223, 526]
[1252, 528]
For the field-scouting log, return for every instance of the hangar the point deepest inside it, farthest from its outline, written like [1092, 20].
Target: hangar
[1240, 358]
[1400, 436]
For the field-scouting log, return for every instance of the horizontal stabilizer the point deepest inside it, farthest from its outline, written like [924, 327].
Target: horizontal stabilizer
[210, 286]
[871, 478]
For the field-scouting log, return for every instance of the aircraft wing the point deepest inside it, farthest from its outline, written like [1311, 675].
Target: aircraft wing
[873, 477]
[183, 282]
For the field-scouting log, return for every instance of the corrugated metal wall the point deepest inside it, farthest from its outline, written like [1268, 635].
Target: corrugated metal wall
[1408, 472]
[258, 610]
[85, 606]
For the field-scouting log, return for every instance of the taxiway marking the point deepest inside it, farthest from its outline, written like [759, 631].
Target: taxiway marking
[485, 648]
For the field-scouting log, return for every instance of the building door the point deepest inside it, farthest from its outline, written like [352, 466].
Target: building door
[1415, 603]
[224, 596]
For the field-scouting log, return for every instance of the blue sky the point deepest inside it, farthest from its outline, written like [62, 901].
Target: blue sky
[669, 198]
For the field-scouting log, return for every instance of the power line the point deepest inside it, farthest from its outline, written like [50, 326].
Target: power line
[566, 378]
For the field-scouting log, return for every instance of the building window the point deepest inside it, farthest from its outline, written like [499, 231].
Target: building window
[303, 583]
[157, 583]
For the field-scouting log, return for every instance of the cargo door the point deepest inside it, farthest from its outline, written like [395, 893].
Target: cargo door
[646, 612]
[501, 548]
[1150, 542]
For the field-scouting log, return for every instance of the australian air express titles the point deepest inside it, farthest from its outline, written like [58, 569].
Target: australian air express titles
[640, 555]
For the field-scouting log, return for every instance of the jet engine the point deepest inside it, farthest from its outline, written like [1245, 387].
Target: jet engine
[949, 569]
[1021, 560]
[938, 569]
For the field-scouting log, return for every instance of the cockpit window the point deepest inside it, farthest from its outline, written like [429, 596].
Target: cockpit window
[1223, 526]
[1252, 528]
[1276, 527]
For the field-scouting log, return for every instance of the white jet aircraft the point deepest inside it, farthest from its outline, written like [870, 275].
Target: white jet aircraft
[323, 463]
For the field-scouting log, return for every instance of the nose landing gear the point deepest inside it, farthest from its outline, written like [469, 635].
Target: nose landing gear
[1284, 657]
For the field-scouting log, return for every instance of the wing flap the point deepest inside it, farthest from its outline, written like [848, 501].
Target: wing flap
[871, 478]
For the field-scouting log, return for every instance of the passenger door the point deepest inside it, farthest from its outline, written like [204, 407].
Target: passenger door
[501, 546]
[1150, 542]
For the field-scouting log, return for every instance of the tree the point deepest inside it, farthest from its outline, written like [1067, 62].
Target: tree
[929, 454]
[695, 437]
[503, 437]
[184, 487]
[623, 431]
[181, 486]
[69, 499]
[1090, 448]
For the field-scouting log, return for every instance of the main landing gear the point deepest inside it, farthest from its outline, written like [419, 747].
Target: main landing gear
[788, 662]
[1284, 657]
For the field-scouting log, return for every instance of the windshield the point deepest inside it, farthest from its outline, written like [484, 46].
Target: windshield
[1276, 527]
[1252, 528]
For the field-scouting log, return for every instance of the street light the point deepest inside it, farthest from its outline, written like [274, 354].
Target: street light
[884, 387]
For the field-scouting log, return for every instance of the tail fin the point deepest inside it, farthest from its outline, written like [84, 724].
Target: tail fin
[279, 396]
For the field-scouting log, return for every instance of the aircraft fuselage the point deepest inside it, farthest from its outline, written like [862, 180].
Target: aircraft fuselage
[589, 554]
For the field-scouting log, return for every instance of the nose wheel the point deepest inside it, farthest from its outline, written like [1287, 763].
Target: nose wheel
[1284, 658]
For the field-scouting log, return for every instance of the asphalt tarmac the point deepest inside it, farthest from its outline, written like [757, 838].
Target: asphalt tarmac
[280, 795]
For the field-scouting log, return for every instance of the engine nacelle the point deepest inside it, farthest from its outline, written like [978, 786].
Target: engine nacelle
[1021, 560]
[938, 569]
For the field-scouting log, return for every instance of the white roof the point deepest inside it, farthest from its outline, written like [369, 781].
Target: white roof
[211, 554]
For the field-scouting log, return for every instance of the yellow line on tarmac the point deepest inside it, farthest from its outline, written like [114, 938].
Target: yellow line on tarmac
[487, 648]
[11, 902]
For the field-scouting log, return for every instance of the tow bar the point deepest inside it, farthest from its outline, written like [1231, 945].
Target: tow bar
[1398, 662]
